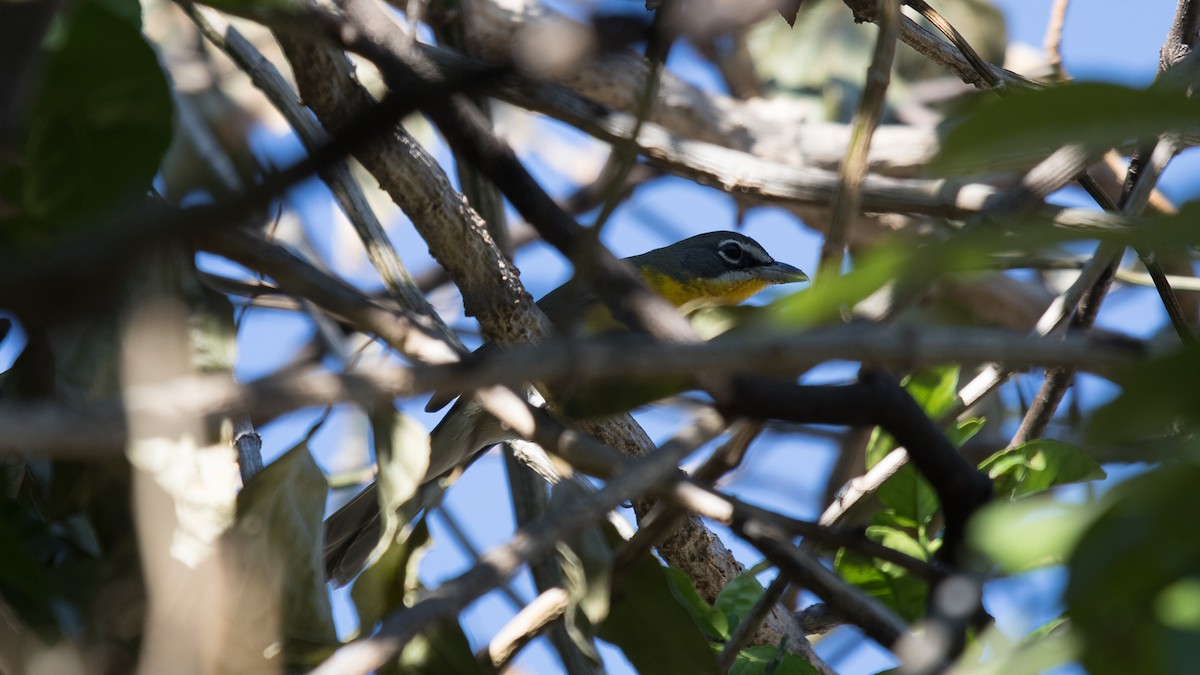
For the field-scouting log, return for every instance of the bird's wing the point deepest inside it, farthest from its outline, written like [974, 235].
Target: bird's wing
[563, 306]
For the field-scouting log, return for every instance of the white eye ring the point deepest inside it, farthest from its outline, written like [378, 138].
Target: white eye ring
[731, 251]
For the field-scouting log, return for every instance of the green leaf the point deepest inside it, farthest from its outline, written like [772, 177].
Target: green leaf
[1024, 126]
[1039, 465]
[1028, 533]
[101, 122]
[1135, 577]
[910, 496]
[767, 660]
[277, 540]
[653, 628]
[899, 540]
[738, 597]
[708, 619]
[965, 430]
[891, 585]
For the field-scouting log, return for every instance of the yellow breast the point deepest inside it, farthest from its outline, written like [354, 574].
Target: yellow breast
[693, 295]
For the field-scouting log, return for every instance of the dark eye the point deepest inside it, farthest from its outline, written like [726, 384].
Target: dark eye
[731, 251]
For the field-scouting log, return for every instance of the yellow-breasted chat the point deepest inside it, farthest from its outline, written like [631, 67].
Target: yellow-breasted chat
[707, 270]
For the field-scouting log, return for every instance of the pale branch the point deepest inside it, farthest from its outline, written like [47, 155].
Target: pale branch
[412, 335]
[468, 135]
[1052, 42]
[661, 517]
[770, 129]
[941, 53]
[407, 336]
[537, 616]
[248, 444]
[70, 432]
[983, 69]
[741, 173]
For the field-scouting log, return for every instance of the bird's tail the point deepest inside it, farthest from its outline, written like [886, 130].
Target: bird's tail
[353, 532]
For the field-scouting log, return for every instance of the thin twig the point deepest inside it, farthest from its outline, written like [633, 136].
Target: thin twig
[248, 444]
[847, 196]
[741, 636]
[1052, 42]
[876, 620]
[985, 70]
[624, 155]
[464, 542]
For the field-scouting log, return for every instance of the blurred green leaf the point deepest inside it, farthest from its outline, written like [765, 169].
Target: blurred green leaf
[389, 585]
[1039, 465]
[25, 543]
[1010, 130]
[652, 627]
[1028, 533]
[738, 597]
[935, 389]
[256, 8]
[102, 120]
[767, 660]
[277, 536]
[402, 455]
[822, 56]
[1156, 398]
[586, 564]
[825, 301]
[709, 619]
[1135, 577]
[384, 586]
[993, 653]
[442, 649]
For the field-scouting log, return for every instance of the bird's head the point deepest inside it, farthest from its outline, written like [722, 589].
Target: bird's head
[712, 269]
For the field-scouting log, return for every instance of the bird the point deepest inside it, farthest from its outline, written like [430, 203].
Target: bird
[707, 270]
